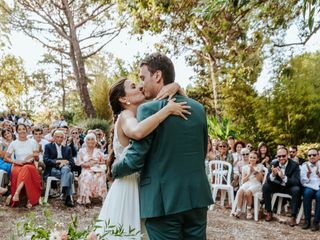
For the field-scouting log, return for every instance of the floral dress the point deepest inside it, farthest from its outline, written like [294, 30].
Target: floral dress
[92, 180]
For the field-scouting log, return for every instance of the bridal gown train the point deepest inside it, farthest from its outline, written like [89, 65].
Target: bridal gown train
[121, 205]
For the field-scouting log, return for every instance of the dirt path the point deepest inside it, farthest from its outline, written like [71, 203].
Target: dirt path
[220, 224]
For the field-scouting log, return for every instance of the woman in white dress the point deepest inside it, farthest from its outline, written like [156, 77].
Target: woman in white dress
[121, 206]
[252, 175]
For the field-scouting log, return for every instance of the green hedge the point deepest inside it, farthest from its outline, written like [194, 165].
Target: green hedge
[303, 148]
[93, 123]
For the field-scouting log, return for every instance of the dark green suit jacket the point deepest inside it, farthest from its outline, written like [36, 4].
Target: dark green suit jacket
[171, 161]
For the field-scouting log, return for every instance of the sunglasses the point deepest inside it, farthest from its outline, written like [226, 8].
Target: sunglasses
[99, 134]
[74, 133]
[292, 151]
[245, 154]
[312, 155]
[281, 156]
[223, 146]
[249, 146]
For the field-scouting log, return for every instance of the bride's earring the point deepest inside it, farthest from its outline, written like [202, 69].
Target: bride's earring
[128, 103]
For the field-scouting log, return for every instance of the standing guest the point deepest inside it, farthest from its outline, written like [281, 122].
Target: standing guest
[293, 151]
[24, 174]
[55, 122]
[252, 176]
[37, 133]
[310, 179]
[62, 121]
[264, 156]
[236, 151]
[92, 180]
[59, 163]
[13, 117]
[24, 119]
[283, 177]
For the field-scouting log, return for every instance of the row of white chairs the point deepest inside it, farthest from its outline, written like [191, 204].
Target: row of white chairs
[220, 172]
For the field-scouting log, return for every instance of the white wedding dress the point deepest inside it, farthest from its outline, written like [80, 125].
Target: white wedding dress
[121, 206]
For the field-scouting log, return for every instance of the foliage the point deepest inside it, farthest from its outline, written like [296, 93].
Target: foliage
[223, 39]
[93, 123]
[289, 112]
[4, 24]
[77, 29]
[304, 147]
[219, 129]
[48, 230]
[14, 81]
[103, 71]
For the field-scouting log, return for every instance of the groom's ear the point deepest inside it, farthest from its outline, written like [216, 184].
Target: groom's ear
[158, 76]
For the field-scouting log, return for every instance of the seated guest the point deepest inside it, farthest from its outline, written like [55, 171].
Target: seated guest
[92, 181]
[244, 161]
[225, 155]
[13, 117]
[252, 176]
[24, 174]
[59, 162]
[236, 152]
[283, 177]
[264, 156]
[7, 138]
[293, 151]
[310, 179]
[75, 144]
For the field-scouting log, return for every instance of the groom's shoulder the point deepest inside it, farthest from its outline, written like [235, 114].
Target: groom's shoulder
[150, 107]
[193, 103]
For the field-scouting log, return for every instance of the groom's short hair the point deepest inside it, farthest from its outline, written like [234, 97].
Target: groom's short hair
[158, 61]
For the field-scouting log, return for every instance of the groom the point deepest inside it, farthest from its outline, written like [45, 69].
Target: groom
[174, 189]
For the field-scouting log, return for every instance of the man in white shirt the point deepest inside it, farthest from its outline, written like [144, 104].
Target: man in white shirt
[59, 163]
[310, 179]
[284, 177]
[37, 133]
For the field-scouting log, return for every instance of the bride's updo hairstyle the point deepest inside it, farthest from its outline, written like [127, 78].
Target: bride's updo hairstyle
[116, 91]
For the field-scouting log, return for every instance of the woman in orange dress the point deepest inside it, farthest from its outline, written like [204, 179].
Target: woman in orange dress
[24, 175]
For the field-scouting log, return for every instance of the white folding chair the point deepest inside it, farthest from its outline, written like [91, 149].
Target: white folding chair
[2, 174]
[258, 196]
[256, 199]
[48, 187]
[301, 211]
[220, 171]
[280, 196]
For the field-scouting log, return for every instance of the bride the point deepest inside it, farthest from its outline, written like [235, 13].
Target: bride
[121, 206]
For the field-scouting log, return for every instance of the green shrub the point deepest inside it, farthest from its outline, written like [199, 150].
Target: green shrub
[93, 123]
[48, 229]
[303, 148]
[219, 130]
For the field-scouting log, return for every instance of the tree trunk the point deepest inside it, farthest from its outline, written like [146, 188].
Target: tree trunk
[214, 88]
[78, 64]
[63, 86]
